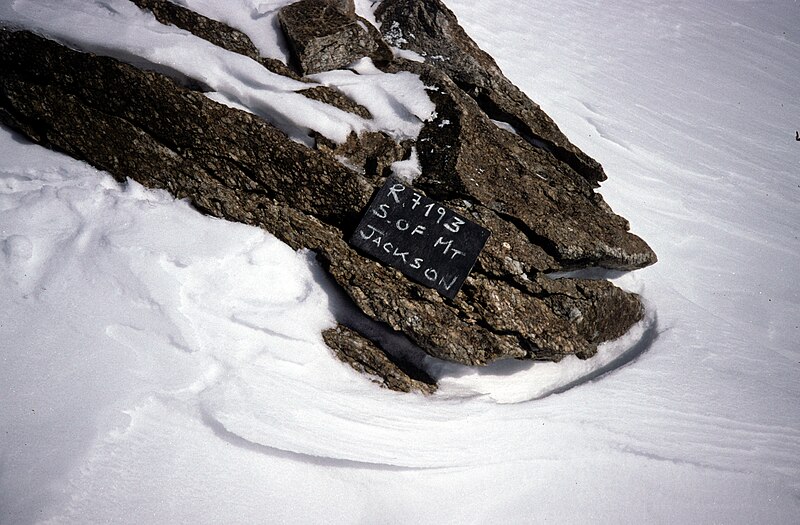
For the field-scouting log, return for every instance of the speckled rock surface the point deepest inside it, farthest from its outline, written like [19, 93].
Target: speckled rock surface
[357, 351]
[323, 37]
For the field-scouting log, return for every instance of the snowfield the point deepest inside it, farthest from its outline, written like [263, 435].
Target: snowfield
[160, 366]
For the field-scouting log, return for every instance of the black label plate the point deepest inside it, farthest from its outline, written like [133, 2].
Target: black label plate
[426, 241]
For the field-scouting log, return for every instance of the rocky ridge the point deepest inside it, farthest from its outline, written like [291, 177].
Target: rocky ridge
[531, 188]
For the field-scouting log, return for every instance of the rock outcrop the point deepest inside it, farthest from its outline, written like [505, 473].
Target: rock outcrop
[532, 189]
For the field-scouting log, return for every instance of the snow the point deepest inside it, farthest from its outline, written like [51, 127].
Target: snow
[162, 366]
[504, 125]
[366, 10]
[255, 18]
[397, 101]
[409, 169]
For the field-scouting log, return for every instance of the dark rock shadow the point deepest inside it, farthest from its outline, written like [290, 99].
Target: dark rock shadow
[594, 273]
[17, 137]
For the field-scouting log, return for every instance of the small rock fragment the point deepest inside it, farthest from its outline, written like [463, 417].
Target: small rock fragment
[322, 37]
[360, 353]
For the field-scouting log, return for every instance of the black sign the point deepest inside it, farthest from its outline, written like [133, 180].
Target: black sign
[429, 243]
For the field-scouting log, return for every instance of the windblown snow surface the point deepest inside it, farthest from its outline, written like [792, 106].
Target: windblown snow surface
[159, 366]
